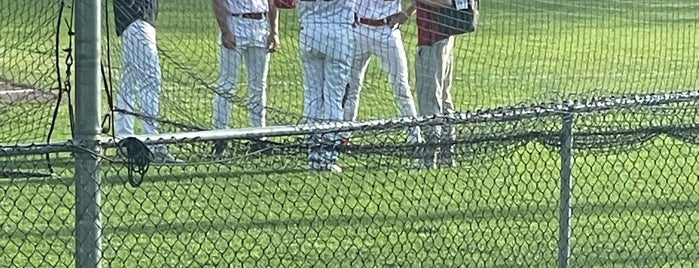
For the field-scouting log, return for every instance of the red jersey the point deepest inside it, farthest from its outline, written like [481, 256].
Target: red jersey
[428, 30]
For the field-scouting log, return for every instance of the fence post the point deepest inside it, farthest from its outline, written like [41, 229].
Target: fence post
[565, 209]
[88, 224]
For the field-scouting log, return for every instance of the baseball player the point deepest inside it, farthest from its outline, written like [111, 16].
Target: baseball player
[245, 36]
[377, 34]
[327, 46]
[140, 70]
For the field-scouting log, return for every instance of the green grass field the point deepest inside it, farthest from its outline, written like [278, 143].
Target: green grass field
[498, 208]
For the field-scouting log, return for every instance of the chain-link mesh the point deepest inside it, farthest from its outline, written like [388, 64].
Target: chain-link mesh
[496, 206]
[251, 197]
[37, 216]
[35, 203]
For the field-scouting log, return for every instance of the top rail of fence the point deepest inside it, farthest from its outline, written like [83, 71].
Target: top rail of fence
[510, 113]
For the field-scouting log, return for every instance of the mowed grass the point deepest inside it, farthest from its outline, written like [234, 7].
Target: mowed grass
[497, 209]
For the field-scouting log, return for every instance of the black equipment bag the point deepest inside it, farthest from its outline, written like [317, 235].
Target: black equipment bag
[454, 21]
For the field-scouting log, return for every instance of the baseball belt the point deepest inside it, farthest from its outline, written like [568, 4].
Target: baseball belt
[373, 22]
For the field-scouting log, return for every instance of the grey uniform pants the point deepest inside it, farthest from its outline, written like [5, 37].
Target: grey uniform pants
[433, 75]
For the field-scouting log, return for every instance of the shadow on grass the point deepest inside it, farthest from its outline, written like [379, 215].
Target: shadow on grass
[35, 172]
[416, 223]
[648, 257]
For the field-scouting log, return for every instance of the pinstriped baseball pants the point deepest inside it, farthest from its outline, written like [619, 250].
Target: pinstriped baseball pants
[326, 52]
[140, 74]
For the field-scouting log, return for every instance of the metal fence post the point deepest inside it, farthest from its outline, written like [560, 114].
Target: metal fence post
[565, 209]
[88, 224]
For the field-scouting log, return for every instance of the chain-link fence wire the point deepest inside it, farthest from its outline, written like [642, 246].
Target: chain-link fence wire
[37, 216]
[633, 196]
[519, 54]
[267, 209]
[35, 60]
[497, 206]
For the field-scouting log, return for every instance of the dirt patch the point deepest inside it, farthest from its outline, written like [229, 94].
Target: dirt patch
[13, 93]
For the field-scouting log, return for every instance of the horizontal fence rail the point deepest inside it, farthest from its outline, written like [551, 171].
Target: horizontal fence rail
[566, 135]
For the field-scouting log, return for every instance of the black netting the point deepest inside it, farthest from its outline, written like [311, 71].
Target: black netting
[33, 66]
[622, 74]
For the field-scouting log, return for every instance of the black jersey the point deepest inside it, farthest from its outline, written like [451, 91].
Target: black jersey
[128, 11]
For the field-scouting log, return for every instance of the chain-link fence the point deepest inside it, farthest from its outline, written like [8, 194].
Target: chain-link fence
[633, 196]
[590, 182]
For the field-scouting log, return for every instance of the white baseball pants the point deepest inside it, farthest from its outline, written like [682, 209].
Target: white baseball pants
[251, 48]
[326, 51]
[387, 44]
[140, 74]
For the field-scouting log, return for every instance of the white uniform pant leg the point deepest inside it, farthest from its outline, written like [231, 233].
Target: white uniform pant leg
[257, 61]
[313, 66]
[327, 56]
[448, 134]
[152, 83]
[338, 66]
[360, 62]
[126, 94]
[395, 63]
[227, 82]
[142, 75]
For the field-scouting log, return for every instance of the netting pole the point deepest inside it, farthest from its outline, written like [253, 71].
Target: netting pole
[88, 225]
[565, 213]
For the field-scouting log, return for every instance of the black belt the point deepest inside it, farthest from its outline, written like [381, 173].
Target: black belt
[254, 16]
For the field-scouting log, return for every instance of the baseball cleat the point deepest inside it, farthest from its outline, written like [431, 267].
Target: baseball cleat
[219, 148]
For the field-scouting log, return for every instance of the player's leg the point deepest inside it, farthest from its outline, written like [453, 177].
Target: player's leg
[257, 62]
[395, 63]
[360, 62]
[230, 60]
[350, 105]
[446, 154]
[313, 99]
[151, 79]
[146, 67]
[229, 65]
[338, 65]
[126, 98]
[428, 83]
[126, 94]
[356, 80]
